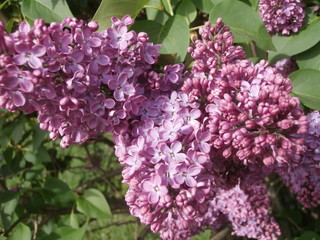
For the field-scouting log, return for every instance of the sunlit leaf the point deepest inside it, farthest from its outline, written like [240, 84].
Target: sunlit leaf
[49, 10]
[296, 43]
[93, 204]
[167, 35]
[310, 58]
[246, 25]
[306, 86]
[117, 8]
[167, 6]
[21, 232]
[188, 10]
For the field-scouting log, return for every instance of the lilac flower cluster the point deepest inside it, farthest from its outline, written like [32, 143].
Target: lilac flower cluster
[247, 210]
[167, 166]
[304, 179]
[283, 16]
[195, 146]
[172, 166]
[251, 115]
[81, 82]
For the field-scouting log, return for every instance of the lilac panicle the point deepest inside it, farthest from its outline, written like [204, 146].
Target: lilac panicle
[248, 211]
[78, 80]
[283, 16]
[304, 179]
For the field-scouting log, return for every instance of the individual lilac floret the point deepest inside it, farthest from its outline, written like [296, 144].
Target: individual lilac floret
[29, 55]
[155, 188]
[284, 16]
[286, 66]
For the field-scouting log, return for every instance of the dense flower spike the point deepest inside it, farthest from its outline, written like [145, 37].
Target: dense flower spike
[238, 204]
[304, 179]
[167, 166]
[80, 81]
[284, 16]
[251, 115]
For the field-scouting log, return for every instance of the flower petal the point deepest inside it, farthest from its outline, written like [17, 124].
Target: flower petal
[18, 98]
[38, 50]
[147, 186]
[34, 62]
[20, 59]
[153, 197]
[191, 182]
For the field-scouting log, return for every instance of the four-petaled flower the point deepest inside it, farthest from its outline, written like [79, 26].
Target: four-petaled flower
[29, 55]
[155, 188]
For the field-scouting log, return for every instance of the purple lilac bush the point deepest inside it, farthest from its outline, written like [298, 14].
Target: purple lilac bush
[195, 145]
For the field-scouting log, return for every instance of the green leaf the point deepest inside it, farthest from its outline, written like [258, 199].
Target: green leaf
[34, 203]
[154, 10]
[68, 233]
[254, 3]
[167, 35]
[204, 5]
[167, 6]
[74, 220]
[8, 204]
[156, 15]
[58, 193]
[206, 235]
[38, 136]
[20, 232]
[188, 10]
[49, 10]
[309, 236]
[246, 25]
[117, 8]
[306, 86]
[296, 43]
[93, 204]
[155, 4]
[152, 28]
[9, 25]
[18, 131]
[174, 37]
[310, 58]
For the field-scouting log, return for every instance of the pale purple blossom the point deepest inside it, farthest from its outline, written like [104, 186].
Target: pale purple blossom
[29, 55]
[155, 188]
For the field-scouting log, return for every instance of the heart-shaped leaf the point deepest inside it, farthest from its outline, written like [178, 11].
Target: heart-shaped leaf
[246, 25]
[306, 86]
[49, 10]
[93, 204]
[174, 35]
[296, 43]
[117, 8]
